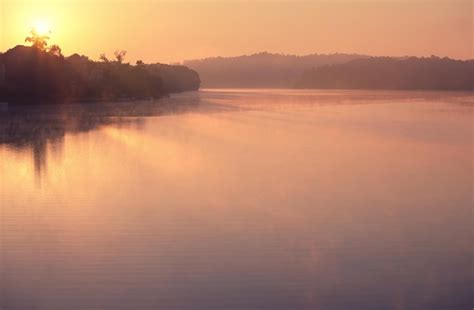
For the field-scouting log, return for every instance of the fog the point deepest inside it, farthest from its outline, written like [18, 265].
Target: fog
[242, 199]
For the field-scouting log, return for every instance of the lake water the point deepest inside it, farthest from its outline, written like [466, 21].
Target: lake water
[239, 199]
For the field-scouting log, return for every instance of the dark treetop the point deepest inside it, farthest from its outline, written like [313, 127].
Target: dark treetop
[34, 75]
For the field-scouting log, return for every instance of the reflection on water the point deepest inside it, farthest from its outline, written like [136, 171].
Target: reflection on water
[27, 128]
[239, 199]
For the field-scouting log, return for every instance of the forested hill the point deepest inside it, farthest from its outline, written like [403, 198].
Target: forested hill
[411, 73]
[260, 70]
[36, 75]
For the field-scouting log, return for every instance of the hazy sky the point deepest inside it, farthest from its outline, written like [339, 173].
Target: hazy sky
[171, 31]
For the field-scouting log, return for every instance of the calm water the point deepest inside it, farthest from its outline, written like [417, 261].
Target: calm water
[238, 199]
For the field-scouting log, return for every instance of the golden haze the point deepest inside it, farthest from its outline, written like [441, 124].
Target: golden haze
[171, 31]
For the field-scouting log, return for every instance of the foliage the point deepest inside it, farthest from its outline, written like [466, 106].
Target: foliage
[410, 73]
[55, 50]
[38, 41]
[42, 74]
[104, 58]
[120, 55]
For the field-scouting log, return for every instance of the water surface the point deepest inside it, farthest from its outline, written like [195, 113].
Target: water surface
[239, 199]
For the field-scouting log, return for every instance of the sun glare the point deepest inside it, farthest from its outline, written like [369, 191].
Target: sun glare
[42, 27]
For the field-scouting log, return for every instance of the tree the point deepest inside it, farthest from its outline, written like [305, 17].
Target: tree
[103, 58]
[120, 55]
[55, 50]
[38, 41]
[140, 63]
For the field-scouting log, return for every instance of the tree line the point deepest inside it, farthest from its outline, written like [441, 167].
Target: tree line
[41, 72]
[410, 73]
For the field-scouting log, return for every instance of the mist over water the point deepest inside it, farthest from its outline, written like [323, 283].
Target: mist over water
[239, 199]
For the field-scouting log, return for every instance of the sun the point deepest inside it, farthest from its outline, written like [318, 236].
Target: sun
[42, 27]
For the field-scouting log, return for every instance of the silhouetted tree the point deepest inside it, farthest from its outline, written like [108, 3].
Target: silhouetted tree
[41, 74]
[120, 55]
[37, 40]
[55, 50]
[103, 58]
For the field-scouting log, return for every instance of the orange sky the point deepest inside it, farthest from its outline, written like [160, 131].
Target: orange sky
[171, 31]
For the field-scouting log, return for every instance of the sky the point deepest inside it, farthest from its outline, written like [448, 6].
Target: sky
[171, 31]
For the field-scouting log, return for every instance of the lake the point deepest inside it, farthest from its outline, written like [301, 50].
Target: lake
[239, 199]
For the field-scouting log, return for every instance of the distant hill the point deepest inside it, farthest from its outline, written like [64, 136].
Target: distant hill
[260, 70]
[410, 73]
